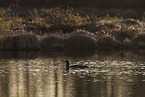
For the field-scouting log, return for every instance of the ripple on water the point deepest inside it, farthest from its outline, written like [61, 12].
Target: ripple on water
[41, 74]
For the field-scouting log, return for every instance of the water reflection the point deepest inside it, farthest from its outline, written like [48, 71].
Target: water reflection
[80, 55]
[46, 77]
[52, 54]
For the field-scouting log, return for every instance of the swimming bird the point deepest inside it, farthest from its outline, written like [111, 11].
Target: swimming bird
[74, 66]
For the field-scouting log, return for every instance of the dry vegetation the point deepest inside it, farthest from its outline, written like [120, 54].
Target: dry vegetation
[64, 29]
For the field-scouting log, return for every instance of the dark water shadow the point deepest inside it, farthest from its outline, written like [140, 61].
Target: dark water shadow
[46, 54]
[71, 54]
[19, 54]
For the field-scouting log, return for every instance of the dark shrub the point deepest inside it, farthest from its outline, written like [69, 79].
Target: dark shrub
[65, 28]
[139, 41]
[27, 41]
[125, 32]
[108, 43]
[80, 41]
[7, 43]
[92, 27]
[23, 41]
[54, 42]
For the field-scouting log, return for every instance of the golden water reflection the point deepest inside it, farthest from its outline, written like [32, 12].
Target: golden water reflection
[48, 78]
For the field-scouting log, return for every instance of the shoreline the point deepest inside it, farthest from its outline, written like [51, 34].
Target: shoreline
[137, 54]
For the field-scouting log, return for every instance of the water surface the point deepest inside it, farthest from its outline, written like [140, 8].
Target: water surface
[107, 76]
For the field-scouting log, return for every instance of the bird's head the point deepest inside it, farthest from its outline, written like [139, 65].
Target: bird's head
[67, 62]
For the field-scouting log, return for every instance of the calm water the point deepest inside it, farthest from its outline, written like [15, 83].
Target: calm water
[107, 76]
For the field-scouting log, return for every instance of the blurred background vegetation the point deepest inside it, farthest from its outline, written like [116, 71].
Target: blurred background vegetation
[77, 3]
[72, 24]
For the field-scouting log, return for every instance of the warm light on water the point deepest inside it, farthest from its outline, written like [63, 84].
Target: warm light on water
[46, 77]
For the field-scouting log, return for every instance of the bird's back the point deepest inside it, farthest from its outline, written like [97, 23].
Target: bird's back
[79, 66]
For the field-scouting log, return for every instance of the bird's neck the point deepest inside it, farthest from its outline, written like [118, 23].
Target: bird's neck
[67, 66]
